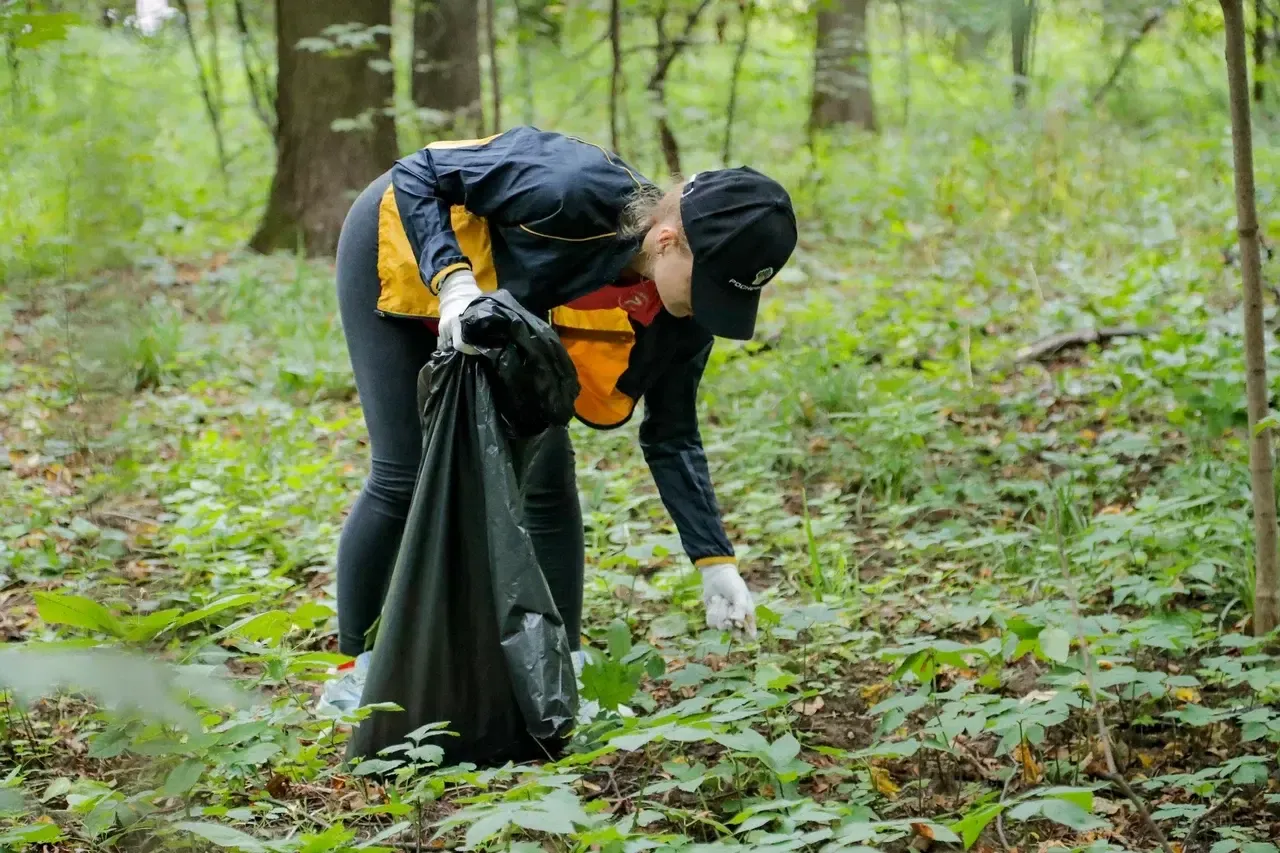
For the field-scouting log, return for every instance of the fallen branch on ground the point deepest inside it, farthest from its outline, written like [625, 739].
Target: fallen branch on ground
[1080, 337]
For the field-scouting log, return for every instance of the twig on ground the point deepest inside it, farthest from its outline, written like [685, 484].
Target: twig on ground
[984, 773]
[124, 516]
[1080, 337]
[1200, 821]
[1138, 803]
[1004, 795]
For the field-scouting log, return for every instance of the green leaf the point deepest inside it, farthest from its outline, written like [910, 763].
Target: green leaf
[140, 629]
[610, 683]
[674, 624]
[1269, 422]
[102, 818]
[770, 677]
[1082, 797]
[59, 787]
[972, 824]
[183, 778]
[1258, 847]
[783, 750]
[77, 612]
[36, 833]
[263, 627]
[619, 640]
[373, 766]
[485, 828]
[748, 741]
[543, 820]
[219, 606]
[1026, 811]
[222, 836]
[1055, 644]
[256, 755]
[1069, 814]
[37, 28]
[690, 675]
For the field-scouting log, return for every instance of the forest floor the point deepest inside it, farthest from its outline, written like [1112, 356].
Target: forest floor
[978, 576]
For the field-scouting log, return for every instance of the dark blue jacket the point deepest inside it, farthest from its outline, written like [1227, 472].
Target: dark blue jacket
[553, 205]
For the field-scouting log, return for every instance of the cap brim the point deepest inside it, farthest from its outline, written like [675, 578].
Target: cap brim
[724, 313]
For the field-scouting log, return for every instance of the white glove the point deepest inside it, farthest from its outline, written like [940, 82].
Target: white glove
[727, 599]
[457, 291]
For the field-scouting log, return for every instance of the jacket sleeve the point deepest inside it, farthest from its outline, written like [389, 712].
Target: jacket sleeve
[672, 448]
[491, 177]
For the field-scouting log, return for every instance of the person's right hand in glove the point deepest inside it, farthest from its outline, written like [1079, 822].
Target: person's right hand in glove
[727, 599]
[457, 291]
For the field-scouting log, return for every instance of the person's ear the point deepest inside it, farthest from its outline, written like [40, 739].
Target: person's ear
[666, 238]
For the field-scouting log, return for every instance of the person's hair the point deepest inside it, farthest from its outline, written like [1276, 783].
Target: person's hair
[649, 206]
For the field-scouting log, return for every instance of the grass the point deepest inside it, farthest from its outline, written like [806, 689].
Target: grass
[919, 515]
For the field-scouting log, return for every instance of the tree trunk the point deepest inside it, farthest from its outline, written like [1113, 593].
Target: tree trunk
[842, 67]
[668, 50]
[726, 152]
[1259, 49]
[525, 45]
[495, 72]
[615, 70]
[446, 62]
[1023, 27]
[319, 170]
[1265, 602]
[257, 71]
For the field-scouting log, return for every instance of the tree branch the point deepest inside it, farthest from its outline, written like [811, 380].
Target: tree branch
[615, 71]
[748, 8]
[1198, 822]
[259, 91]
[669, 51]
[213, 109]
[1148, 24]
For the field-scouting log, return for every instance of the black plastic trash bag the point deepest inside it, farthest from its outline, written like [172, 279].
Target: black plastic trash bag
[469, 633]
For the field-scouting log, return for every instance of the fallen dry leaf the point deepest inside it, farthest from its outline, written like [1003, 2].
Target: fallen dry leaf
[923, 830]
[872, 693]
[809, 708]
[1187, 694]
[884, 782]
[1032, 773]
[278, 786]
[1102, 805]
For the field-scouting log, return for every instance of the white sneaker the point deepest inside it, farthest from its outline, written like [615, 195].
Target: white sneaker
[343, 692]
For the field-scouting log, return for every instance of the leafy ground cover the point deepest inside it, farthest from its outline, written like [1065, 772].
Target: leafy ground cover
[993, 594]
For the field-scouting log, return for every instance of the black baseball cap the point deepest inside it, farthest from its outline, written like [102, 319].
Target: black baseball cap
[742, 230]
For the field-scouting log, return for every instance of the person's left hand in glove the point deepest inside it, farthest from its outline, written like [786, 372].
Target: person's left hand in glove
[727, 599]
[458, 290]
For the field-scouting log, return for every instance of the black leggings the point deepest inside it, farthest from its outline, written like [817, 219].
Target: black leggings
[386, 356]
